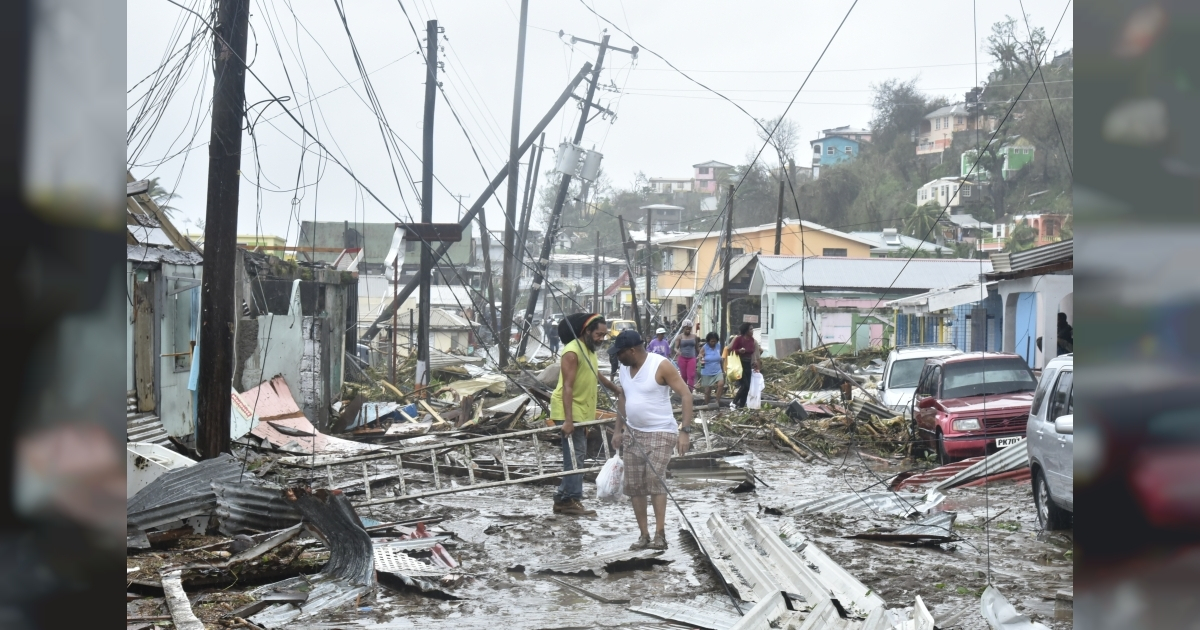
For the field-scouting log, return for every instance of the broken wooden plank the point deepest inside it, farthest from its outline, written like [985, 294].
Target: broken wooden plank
[177, 602]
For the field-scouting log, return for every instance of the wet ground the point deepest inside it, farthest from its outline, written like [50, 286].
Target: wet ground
[1028, 566]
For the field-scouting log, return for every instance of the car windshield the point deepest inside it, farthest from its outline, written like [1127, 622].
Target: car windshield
[1178, 426]
[905, 373]
[624, 325]
[987, 377]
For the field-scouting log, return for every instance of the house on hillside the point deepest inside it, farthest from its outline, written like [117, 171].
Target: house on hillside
[834, 148]
[1047, 227]
[964, 228]
[1016, 154]
[695, 258]
[841, 303]
[954, 192]
[670, 184]
[936, 131]
[707, 175]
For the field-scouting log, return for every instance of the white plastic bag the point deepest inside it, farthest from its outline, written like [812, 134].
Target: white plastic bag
[754, 399]
[610, 483]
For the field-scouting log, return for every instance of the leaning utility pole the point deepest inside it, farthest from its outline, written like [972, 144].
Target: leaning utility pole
[509, 281]
[431, 65]
[485, 240]
[779, 215]
[564, 185]
[596, 278]
[725, 268]
[649, 264]
[217, 309]
[526, 209]
[476, 207]
[625, 246]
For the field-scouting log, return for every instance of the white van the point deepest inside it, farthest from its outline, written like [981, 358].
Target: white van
[1051, 442]
[901, 372]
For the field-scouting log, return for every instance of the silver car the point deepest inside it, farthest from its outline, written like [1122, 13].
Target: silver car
[1051, 443]
[901, 372]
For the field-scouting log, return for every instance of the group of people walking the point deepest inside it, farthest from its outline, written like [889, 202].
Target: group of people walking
[646, 432]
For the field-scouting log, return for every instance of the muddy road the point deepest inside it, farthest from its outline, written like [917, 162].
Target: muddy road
[503, 535]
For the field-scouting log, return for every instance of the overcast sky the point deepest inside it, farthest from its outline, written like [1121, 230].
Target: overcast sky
[756, 53]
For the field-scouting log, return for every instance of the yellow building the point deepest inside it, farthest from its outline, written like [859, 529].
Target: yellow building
[686, 259]
[276, 244]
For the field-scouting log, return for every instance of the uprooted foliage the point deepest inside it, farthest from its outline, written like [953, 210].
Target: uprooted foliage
[830, 435]
[815, 369]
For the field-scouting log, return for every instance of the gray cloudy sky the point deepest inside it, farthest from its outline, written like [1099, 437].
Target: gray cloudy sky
[756, 53]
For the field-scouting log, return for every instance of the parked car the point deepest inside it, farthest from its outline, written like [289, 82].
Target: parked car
[615, 326]
[1051, 443]
[901, 372]
[972, 404]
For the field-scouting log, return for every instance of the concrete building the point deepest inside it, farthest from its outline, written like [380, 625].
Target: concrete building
[936, 132]
[1034, 287]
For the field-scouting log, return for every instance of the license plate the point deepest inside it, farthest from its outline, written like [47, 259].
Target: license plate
[1008, 441]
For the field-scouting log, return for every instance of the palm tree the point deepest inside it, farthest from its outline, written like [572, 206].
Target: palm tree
[162, 197]
[921, 219]
[1021, 238]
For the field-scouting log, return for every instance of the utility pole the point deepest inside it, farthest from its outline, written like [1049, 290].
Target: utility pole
[625, 246]
[725, 268]
[596, 278]
[486, 240]
[564, 186]
[509, 281]
[477, 207]
[431, 64]
[526, 209]
[460, 205]
[217, 308]
[649, 264]
[779, 215]
[395, 331]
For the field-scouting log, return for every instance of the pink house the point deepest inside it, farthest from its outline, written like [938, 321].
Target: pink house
[705, 176]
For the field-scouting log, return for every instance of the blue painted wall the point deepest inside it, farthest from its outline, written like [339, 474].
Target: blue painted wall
[839, 154]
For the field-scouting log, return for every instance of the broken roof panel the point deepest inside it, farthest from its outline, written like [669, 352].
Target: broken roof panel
[937, 527]
[181, 493]
[897, 503]
[252, 507]
[272, 399]
[297, 435]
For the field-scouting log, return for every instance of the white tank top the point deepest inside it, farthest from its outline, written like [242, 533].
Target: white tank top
[647, 404]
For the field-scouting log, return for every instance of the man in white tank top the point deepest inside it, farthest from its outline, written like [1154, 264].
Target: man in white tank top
[646, 430]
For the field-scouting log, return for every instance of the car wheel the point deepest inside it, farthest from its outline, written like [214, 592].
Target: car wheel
[1050, 516]
[943, 456]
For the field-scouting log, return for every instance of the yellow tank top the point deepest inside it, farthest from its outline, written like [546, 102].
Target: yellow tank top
[585, 387]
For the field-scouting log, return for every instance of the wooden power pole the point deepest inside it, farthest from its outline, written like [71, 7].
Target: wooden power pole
[512, 211]
[217, 308]
[596, 275]
[779, 215]
[431, 50]
[649, 265]
[725, 268]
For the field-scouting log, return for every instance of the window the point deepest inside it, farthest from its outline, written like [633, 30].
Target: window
[181, 333]
[564, 271]
[849, 150]
[834, 251]
[705, 170]
[1043, 387]
[587, 271]
[946, 122]
[1061, 403]
[959, 120]
[905, 373]
[816, 148]
[937, 123]
[966, 191]
[830, 150]
[736, 251]
[989, 377]
[613, 271]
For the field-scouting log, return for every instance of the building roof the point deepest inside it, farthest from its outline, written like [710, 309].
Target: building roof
[660, 206]
[712, 164]
[956, 180]
[152, 254]
[737, 266]
[670, 179]
[942, 299]
[968, 221]
[1058, 256]
[808, 225]
[583, 259]
[834, 135]
[957, 109]
[847, 129]
[883, 246]
[900, 274]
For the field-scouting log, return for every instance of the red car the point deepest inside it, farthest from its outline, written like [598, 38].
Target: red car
[973, 404]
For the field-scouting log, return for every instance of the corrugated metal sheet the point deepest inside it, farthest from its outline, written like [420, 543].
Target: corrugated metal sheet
[707, 468]
[1009, 458]
[896, 503]
[272, 399]
[936, 527]
[1061, 251]
[351, 550]
[252, 507]
[763, 613]
[921, 274]
[940, 473]
[326, 593]
[146, 427]
[142, 253]
[751, 566]
[181, 493]
[693, 613]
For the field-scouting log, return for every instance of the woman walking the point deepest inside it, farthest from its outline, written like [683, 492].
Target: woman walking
[712, 368]
[686, 345]
[744, 347]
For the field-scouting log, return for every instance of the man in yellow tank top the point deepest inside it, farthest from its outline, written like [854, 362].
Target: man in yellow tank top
[574, 400]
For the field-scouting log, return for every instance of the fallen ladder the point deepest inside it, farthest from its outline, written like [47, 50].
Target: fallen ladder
[328, 462]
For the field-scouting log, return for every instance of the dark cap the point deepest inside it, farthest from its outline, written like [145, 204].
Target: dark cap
[627, 339]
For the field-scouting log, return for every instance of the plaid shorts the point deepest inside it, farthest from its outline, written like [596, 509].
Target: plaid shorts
[641, 450]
